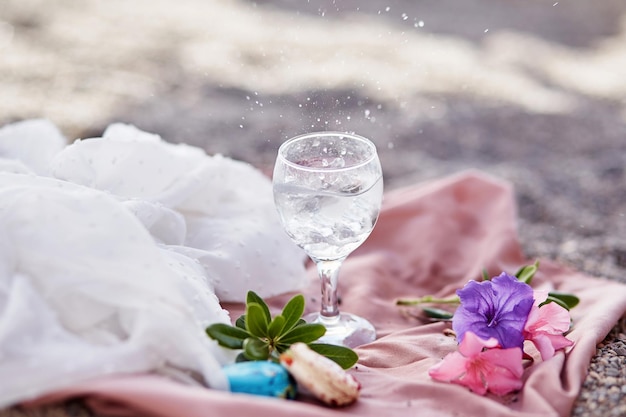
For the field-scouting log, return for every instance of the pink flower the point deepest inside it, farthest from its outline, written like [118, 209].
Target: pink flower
[481, 366]
[545, 326]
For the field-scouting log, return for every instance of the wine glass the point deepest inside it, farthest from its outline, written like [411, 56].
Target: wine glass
[328, 190]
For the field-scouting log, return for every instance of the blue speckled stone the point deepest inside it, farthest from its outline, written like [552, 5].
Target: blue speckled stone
[260, 378]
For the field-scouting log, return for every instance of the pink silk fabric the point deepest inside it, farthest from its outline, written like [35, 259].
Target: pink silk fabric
[430, 239]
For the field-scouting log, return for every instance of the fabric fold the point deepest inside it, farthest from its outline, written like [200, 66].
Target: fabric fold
[431, 238]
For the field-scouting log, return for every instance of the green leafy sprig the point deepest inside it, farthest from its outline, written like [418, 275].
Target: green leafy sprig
[261, 337]
[524, 274]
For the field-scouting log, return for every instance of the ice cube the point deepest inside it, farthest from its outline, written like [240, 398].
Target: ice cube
[337, 163]
[353, 188]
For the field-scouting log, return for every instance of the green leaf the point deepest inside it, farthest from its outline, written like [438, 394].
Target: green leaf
[570, 300]
[281, 348]
[343, 356]
[241, 357]
[526, 273]
[253, 297]
[300, 322]
[256, 320]
[241, 322]
[276, 327]
[305, 333]
[293, 311]
[227, 336]
[554, 300]
[567, 301]
[437, 313]
[255, 349]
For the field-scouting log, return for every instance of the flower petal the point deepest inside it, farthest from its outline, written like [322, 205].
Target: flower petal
[474, 380]
[544, 345]
[496, 370]
[452, 367]
[547, 344]
[550, 318]
[545, 327]
[472, 345]
[504, 374]
[498, 308]
[501, 381]
[559, 341]
[509, 359]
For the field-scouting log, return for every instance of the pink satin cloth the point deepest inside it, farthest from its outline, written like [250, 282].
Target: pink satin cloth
[430, 239]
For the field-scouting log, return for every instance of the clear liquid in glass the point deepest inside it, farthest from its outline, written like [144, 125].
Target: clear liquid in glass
[329, 224]
[328, 190]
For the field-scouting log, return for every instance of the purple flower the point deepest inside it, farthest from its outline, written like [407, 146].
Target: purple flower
[498, 308]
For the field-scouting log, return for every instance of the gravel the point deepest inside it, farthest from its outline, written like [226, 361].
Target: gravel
[604, 390]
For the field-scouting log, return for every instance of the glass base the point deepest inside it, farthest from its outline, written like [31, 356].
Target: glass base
[346, 329]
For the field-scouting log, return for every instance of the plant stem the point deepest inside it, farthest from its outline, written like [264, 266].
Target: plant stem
[428, 299]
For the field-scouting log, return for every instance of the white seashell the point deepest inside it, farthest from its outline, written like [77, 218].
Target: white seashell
[326, 380]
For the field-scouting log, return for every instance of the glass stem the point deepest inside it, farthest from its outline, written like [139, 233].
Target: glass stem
[328, 272]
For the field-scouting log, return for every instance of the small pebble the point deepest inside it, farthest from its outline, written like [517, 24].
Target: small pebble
[260, 378]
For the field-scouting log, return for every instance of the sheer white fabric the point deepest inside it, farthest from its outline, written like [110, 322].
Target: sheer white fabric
[32, 143]
[115, 252]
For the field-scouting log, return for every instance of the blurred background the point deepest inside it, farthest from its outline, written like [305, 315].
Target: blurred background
[531, 91]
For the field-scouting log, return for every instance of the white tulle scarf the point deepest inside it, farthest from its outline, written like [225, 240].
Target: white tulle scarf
[116, 251]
